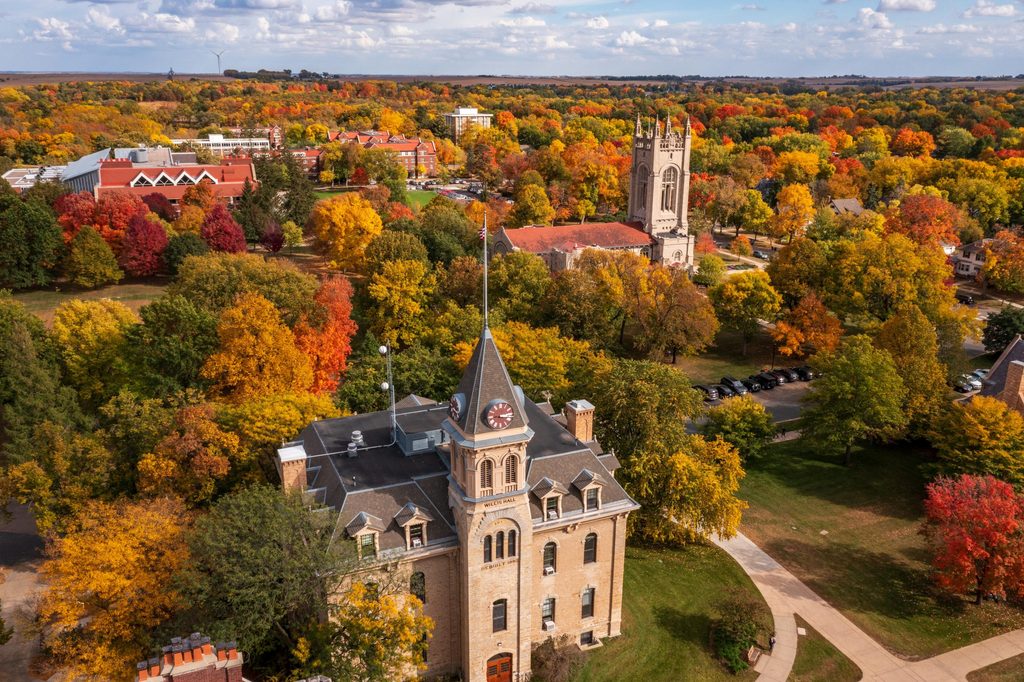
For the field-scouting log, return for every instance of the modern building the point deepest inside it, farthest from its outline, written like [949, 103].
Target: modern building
[23, 179]
[226, 146]
[463, 117]
[657, 225]
[83, 175]
[272, 133]
[413, 153]
[501, 515]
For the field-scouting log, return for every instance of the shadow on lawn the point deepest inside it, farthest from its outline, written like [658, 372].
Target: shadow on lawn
[687, 627]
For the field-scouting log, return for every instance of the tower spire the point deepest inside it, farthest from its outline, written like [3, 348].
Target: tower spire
[668, 126]
[638, 131]
[687, 134]
[483, 236]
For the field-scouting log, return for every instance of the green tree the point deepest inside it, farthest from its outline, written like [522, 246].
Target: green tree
[798, 269]
[30, 244]
[575, 304]
[532, 207]
[518, 282]
[170, 346]
[860, 395]
[392, 245]
[180, 247]
[742, 422]
[913, 344]
[90, 262]
[982, 436]
[710, 271]
[1002, 327]
[743, 301]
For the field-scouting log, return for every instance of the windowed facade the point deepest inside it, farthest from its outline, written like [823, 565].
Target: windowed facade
[499, 615]
[550, 556]
[587, 603]
[418, 586]
[669, 188]
[547, 609]
[590, 548]
[551, 505]
[486, 476]
[367, 545]
[511, 473]
[642, 186]
[587, 638]
[593, 499]
[487, 549]
[499, 545]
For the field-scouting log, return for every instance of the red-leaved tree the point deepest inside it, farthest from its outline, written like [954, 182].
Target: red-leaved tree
[705, 244]
[925, 219]
[161, 205]
[114, 212]
[221, 232]
[73, 212]
[144, 243]
[272, 238]
[329, 343]
[976, 527]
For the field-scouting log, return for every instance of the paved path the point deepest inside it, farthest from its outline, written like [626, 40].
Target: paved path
[786, 595]
[20, 549]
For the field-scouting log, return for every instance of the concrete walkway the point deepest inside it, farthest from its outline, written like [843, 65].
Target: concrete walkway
[20, 551]
[786, 595]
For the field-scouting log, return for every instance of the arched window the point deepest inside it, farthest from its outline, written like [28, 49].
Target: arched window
[487, 549]
[418, 586]
[511, 543]
[550, 550]
[641, 187]
[669, 187]
[499, 545]
[511, 470]
[486, 474]
[590, 549]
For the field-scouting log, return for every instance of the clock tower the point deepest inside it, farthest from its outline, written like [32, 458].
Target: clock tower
[489, 431]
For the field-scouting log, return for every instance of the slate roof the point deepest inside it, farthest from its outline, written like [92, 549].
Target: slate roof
[484, 380]
[995, 381]
[544, 239]
[853, 206]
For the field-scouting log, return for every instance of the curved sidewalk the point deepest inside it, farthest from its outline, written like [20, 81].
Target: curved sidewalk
[786, 595]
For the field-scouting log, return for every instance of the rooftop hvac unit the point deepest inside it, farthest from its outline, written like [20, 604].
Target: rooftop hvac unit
[352, 448]
[552, 514]
[357, 438]
[417, 542]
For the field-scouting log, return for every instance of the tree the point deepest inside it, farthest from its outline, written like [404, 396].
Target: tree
[343, 226]
[143, 246]
[263, 565]
[90, 336]
[5, 632]
[531, 208]
[859, 395]
[114, 558]
[292, 234]
[742, 422]
[518, 282]
[913, 344]
[90, 262]
[975, 525]
[806, 329]
[575, 304]
[705, 244]
[251, 215]
[30, 244]
[272, 238]
[256, 356]
[1004, 263]
[672, 316]
[114, 213]
[743, 301]
[925, 219]
[1002, 327]
[687, 490]
[978, 437]
[462, 280]
[400, 293]
[221, 232]
[794, 209]
[199, 195]
[710, 271]
[181, 246]
[161, 205]
[798, 269]
[741, 246]
[170, 346]
[190, 220]
[328, 341]
[391, 245]
[73, 212]
[263, 424]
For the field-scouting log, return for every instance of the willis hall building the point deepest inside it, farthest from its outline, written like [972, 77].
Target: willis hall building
[503, 516]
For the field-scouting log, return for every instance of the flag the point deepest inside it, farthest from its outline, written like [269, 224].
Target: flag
[483, 228]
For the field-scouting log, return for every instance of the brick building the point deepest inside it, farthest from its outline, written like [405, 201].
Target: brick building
[226, 179]
[412, 152]
[193, 659]
[502, 515]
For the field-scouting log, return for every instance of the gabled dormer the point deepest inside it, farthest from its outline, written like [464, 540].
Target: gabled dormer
[413, 520]
[589, 484]
[550, 494]
[365, 529]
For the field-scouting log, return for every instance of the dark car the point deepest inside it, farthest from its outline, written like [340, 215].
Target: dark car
[780, 376]
[964, 298]
[735, 384]
[751, 385]
[763, 255]
[724, 391]
[791, 376]
[961, 386]
[767, 380]
[804, 373]
[710, 392]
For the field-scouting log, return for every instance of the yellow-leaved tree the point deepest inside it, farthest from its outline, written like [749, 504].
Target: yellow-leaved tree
[794, 209]
[266, 422]
[90, 336]
[257, 356]
[110, 583]
[342, 227]
[400, 291]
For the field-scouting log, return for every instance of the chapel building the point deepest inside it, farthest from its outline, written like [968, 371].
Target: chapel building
[501, 515]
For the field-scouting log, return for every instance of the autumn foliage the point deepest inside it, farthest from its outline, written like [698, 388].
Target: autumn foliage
[221, 232]
[328, 344]
[143, 247]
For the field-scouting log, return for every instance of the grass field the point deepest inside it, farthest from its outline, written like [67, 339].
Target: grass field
[1010, 670]
[44, 302]
[669, 598]
[851, 534]
[726, 358]
[818, 661]
[418, 198]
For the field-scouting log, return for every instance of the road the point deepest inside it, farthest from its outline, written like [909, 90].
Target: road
[21, 549]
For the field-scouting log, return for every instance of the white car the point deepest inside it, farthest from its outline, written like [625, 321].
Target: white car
[980, 374]
[974, 381]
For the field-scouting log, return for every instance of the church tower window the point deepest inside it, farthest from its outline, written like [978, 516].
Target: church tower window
[486, 475]
[669, 188]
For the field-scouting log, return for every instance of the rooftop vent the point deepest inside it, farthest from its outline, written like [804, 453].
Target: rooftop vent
[352, 448]
[357, 438]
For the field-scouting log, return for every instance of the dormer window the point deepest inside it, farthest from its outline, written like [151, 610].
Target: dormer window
[417, 535]
[414, 521]
[589, 484]
[593, 497]
[553, 507]
[367, 545]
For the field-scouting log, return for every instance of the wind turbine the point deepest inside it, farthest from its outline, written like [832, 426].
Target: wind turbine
[218, 54]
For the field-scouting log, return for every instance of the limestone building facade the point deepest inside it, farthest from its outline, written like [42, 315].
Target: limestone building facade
[502, 515]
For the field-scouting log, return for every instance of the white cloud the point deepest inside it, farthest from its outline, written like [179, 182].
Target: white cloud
[988, 8]
[533, 8]
[631, 39]
[333, 12]
[942, 29]
[522, 22]
[100, 18]
[597, 23]
[399, 30]
[660, 23]
[52, 28]
[906, 5]
[869, 18]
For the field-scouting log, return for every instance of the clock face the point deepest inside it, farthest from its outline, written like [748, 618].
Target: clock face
[455, 406]
[499, 415]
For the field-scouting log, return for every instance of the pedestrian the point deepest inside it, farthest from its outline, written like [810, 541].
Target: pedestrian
[771, 643]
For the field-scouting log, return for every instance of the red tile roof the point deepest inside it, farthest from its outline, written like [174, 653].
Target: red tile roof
[572, 237]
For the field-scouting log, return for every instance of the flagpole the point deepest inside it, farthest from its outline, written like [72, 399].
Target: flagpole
[483, 235]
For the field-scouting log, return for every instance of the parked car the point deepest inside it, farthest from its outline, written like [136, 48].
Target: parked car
[964, 298]
[981, 374]
[710, 392]
[735, 384]
[960, 385]
[767, 379]
[751, 385]
[763, 255]
[804, 372]
[780, 376]
[724, 391]
[974, 381]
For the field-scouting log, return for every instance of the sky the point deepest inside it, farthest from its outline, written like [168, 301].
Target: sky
[519, 37]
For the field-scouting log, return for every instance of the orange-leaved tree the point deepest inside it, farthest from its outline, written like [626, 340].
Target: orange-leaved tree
[808, 328]
[328, 341]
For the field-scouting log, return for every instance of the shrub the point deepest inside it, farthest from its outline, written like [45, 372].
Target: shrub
[181, 247]
[556, 660]
[91, 262]
[272, 238]
[735, 629]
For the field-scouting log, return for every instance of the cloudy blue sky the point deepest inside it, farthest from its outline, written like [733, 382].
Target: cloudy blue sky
[586, 37]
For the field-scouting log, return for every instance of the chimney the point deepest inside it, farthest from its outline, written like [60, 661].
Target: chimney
[1013, 387]
[291, 466]
[193, 659]
[579, 419]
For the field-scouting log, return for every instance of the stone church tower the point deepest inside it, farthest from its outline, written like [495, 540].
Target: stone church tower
[659, 191]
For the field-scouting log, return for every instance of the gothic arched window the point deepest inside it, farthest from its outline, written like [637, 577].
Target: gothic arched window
[641, 187]
[486, 474]
[499, 545]
[669, 188]
[487, 549]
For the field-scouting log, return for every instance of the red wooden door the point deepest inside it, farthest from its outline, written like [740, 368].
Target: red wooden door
[499, 668]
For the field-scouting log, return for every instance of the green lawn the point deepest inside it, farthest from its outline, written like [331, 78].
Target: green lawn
[818, 661]
[44, 302]
[670, 596]
[726, 358]
[851, 534]
[418, 198]
[1010, 670]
